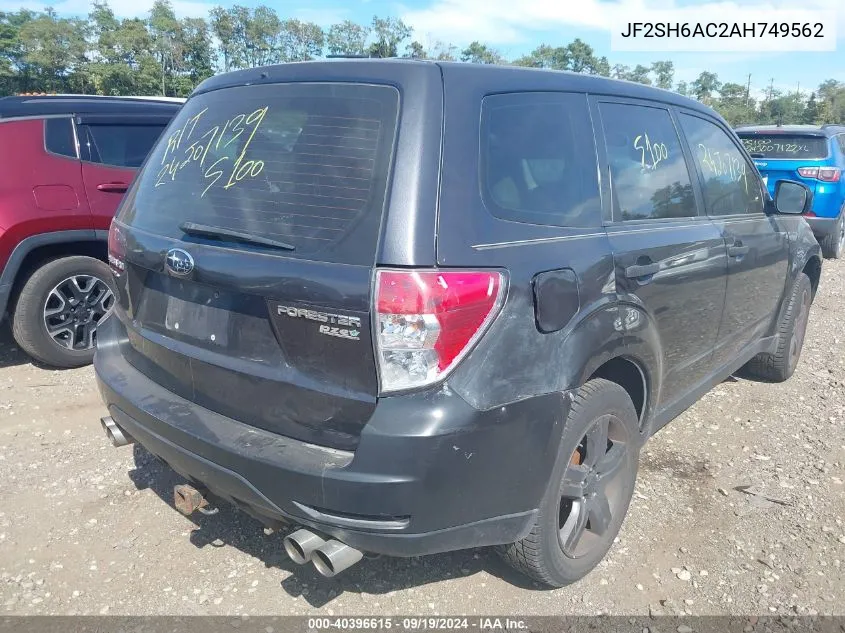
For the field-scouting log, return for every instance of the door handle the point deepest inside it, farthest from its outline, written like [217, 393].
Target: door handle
[113, 187]
[641, 270]
[737, 250]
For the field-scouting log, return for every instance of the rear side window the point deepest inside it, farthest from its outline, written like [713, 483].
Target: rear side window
[785, 146]
[648, 173]
[304, 164]
[118, 145]
[538, 160]
[58, 137]
[730, 183]
[841, 139]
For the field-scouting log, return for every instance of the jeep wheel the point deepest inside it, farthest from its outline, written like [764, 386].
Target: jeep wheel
[594, 480]
[781, 365]
[57, 312]
[833, 244]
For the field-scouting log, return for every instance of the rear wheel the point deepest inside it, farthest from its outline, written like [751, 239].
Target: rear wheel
[584, 508]
[58, 310]
[781, 365]
[833, 244]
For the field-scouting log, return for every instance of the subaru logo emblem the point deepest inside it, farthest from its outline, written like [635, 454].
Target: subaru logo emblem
[179, 262]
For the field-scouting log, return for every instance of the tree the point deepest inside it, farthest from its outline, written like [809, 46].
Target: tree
[301, 41]
[582, 59]
[415, 50]
[735, 105]
[223, 27]
[478, 53]
[640, 75]
[166, 40]
[545, 56]
[664, 73]
[347, 38]
[601, 67]
[831, 95]
[443, 52]
[704, 87]
[811, 111]
[682, 88]
[53, 48]
[390, 33]
[197, 50]
[621, 71]
[12, 55]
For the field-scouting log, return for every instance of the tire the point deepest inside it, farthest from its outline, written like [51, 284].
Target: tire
[50, 288]
[833, 243]
[547, 554]
[780, 365]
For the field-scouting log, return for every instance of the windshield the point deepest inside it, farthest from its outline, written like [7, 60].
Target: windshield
[785, 146]
[303, 164]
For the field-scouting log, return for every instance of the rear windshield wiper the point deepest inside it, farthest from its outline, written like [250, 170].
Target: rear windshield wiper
[204, 230]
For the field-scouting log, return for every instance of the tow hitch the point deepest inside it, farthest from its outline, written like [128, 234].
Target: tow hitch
[186, 498]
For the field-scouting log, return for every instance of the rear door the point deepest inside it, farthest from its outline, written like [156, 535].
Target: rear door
[276, 334]
[669, 257]
[757, 247]
[112, 148]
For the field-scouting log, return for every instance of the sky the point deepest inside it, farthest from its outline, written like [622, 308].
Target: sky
[515, 27]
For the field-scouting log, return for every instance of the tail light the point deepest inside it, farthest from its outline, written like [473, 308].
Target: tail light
[427, 321]
[825, 174]
[830, 174]
[117, 250]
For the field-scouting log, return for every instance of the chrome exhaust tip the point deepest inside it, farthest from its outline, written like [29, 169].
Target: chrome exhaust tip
[117, 436]
[334, 557]
[301, 544]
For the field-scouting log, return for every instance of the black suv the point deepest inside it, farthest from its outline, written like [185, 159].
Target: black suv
[414, 307]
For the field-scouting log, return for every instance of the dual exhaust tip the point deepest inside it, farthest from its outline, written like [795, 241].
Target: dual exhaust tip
[117, 436]
[329, 557]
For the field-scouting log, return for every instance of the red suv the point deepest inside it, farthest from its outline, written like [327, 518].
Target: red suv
[66, 163]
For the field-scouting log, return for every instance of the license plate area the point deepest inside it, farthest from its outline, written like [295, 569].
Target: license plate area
[197, 321]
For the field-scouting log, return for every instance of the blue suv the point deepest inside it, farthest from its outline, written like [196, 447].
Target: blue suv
[815, 156]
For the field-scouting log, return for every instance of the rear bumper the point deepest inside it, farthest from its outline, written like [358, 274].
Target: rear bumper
[430, 474]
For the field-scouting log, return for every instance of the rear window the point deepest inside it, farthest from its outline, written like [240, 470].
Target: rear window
[304, 164]
[785, 146]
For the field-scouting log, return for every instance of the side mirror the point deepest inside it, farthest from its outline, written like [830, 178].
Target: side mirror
[792, 197]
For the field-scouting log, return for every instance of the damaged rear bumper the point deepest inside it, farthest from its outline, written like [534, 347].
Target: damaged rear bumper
[430, 473]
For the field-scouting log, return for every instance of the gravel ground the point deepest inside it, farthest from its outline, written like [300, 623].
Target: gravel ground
[89, 529]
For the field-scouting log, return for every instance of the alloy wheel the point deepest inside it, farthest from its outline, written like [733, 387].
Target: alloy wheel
[592, 494]
[74, 308]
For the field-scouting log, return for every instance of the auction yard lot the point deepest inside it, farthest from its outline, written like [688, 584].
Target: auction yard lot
[89, 529]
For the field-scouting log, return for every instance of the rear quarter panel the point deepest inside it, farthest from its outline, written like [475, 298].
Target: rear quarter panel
[514, 360]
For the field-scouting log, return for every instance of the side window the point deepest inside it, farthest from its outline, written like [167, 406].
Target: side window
[841, 138]
[118, 145]
[731, 185]
[648, 173]
[538, 159]
[58, 137]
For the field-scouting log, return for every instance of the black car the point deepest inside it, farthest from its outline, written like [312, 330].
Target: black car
[414, 307]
